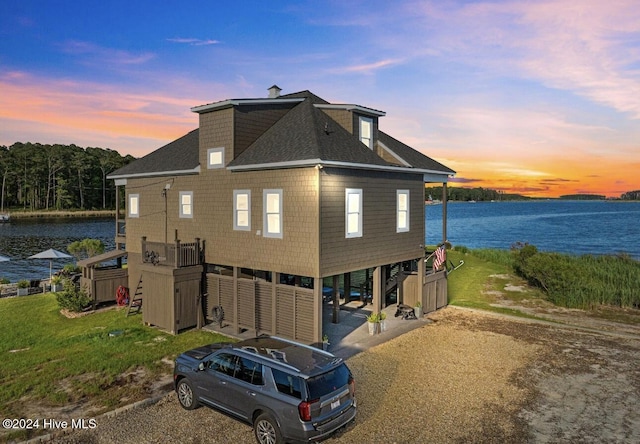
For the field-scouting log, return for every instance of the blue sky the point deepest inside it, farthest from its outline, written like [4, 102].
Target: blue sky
[540, 98]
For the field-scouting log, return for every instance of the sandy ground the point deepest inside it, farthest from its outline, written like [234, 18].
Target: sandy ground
[467, 377]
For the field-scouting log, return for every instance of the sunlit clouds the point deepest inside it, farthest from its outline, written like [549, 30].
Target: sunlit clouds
[133, 123]
[540, 98]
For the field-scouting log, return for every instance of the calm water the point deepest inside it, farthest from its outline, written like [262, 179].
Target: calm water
[23, 238]
[580, 227]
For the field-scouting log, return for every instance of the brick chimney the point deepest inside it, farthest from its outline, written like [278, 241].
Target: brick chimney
[274, 92]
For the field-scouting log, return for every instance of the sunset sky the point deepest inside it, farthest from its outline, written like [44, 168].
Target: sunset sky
[540, 98]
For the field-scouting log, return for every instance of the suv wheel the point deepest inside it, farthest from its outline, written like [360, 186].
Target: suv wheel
[266, 430]
[185, 395]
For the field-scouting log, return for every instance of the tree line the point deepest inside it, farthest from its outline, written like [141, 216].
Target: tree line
[57, 177]
[485, 194]
[478, 194]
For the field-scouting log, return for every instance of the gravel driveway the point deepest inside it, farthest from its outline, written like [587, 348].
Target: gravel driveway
[468, 377]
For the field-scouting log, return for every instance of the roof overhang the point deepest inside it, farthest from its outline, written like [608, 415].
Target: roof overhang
[319, 163]
[108, 256]
[350, 107]
[239, 102]
[195, 170]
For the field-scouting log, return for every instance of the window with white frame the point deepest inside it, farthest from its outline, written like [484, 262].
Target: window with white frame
[272, 204]
[134, 205]
[402, 210]
[353, 212]
[242, 210]
[366, 131]
[186, 204]
[215, 158]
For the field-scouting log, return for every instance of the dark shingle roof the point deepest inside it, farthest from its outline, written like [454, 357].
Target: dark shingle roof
[306, 134]
[306, 94]
[179, 156]
[412, 156]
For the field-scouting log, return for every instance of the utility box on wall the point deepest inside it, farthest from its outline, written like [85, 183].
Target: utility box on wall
[171, 296]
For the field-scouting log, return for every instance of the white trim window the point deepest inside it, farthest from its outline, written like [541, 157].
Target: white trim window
[215, 158]
[186, 204]
[402, 210]
[134, 205]
[272, 221]
[353, 212]
[366, 131]
[242, 210]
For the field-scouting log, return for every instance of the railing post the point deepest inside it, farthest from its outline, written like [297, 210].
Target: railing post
[197, 252]
[144, 247]
[177, 261]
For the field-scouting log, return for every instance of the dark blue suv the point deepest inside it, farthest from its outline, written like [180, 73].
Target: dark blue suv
[288, 392]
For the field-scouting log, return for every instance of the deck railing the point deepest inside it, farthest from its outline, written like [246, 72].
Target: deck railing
[176, 255]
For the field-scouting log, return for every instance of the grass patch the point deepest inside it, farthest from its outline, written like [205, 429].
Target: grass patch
[472, 285]
[48, 359]
[483, 279]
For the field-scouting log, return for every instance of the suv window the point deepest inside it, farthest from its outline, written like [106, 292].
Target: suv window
[224, 363]
[328, 382]
[249, 371]
[287, 384]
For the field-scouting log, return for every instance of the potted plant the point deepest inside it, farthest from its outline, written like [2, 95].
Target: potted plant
[418, 310]
[325, 342]
[56, 284]
[383, 321]
[23, 287]
[373, 320]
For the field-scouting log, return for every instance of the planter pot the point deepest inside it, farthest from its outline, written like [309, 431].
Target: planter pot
[325, 346]
[57, 287]
[418, 312]
[373, 328]
[383, 326]
[23, 291]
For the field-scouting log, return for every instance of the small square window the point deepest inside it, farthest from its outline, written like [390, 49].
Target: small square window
[215, 158]
[134, 205]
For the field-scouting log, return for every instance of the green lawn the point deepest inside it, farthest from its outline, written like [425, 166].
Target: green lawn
[48, 359]
[484, 272]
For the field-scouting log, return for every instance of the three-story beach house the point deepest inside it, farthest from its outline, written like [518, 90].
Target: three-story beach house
[249, 218]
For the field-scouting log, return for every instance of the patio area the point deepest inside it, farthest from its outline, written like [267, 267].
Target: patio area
[351, 335]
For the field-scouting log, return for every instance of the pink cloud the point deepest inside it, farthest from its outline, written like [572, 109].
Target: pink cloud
[41, 106]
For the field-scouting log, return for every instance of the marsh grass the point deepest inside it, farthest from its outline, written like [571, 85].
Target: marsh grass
[52, 360]
[585, 282]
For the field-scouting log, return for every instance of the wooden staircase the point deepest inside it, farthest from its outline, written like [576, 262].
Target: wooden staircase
[135, 300]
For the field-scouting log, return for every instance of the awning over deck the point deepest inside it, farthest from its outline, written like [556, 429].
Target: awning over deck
[104, 257]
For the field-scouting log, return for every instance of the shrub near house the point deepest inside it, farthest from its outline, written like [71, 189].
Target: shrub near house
[73, 298]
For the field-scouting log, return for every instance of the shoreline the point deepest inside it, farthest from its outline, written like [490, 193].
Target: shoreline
[59, 214]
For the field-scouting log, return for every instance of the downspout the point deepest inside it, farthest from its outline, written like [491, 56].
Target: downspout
[444, 212]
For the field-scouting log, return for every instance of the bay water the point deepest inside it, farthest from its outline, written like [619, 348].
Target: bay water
[22, 238]
[574, 227]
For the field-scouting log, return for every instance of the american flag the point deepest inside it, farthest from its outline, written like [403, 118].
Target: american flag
[440, 257]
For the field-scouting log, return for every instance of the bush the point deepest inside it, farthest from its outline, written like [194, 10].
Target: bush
[73, 298]
[70, 269]
[4, 281]
[23, 283]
